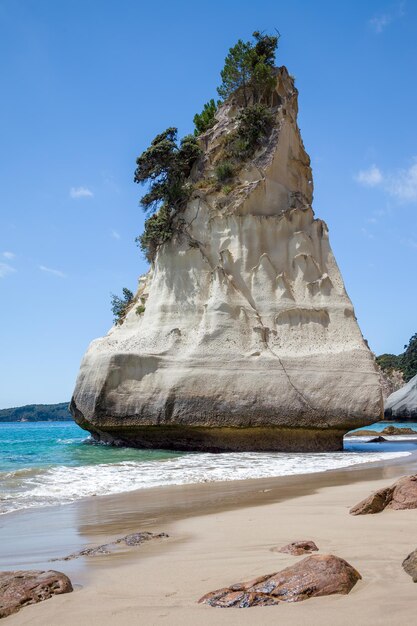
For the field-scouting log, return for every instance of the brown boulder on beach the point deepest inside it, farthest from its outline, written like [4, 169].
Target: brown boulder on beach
[20, 588]
[410, 565]
[317, 575]
[298, 548]
[400, 495]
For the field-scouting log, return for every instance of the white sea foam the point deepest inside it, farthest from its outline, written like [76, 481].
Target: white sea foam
[60, 484]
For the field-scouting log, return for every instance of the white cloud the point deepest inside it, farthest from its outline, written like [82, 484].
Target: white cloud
[370, 177]
[400, 184]
[9, 255]
[50, 270]
[6, 269]
[380, 22]
[411, 243]
[367, 234]
[115, 234]
[403, 183]
[81, 192]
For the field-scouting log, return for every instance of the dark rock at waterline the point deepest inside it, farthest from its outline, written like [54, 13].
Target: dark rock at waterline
[24, 587]
[400, 495]
[317, 575]
[410, 565]
[376, 440]
[134, 539]
[298, 548]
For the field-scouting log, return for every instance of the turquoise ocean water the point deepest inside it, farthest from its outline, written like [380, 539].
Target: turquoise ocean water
[48, 463]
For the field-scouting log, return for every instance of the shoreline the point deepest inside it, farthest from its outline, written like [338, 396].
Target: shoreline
[220, 533]
[32, 536]
[62, 485]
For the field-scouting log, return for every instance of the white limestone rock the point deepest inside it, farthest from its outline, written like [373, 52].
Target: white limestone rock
[402, 404]
[249, 340]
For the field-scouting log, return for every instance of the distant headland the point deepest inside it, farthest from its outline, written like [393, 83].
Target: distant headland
[37, 413]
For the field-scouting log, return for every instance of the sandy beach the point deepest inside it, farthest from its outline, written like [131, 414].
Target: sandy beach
[219, 534]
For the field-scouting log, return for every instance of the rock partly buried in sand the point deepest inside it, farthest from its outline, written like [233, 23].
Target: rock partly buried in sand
[298, 548]
[20, 588]
[317, 575]
[410, 565]
[248, 340]
[134, 539]
[400, 495]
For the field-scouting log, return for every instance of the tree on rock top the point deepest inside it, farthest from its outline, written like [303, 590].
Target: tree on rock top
[248, 67]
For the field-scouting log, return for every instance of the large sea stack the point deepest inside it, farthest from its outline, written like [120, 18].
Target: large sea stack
[248, 340]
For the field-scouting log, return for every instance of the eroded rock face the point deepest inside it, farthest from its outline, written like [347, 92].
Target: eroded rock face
[410, 565]
[20, 588]
[298, 548]
[317, 575]
[248, 340]
[400, 495]
[390, 382]
[402, 404]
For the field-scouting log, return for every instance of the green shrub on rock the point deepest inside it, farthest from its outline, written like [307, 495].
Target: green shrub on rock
[254, 124]
[165, 166]
[206, 119]
[119, 306]
[224, 171]
[159, 228]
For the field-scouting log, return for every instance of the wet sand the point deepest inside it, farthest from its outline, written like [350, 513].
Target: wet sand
[220, 533]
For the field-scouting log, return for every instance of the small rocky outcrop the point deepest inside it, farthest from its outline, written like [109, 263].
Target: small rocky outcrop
[21, 588]
[402, 404]
[298, 548]
[134, 539]
[378, 439]
[317, 575]
[410, 565]
[388, 431]
[395, 430]
[363, 433]
[400, 495]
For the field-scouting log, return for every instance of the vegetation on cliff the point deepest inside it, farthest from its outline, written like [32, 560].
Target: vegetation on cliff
[206, 119]
[120, 306]
[166, 165]
[249, 69]
[405, 362]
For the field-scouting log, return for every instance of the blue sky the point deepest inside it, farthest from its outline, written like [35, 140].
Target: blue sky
[87, 84]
